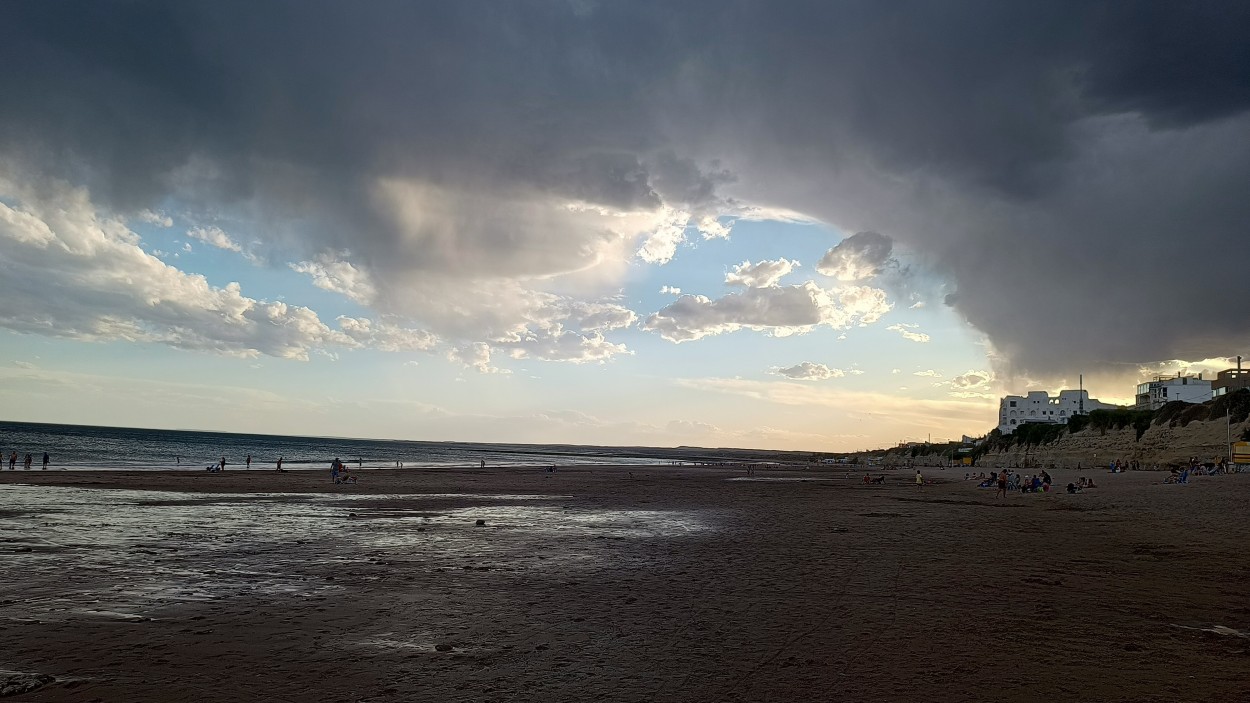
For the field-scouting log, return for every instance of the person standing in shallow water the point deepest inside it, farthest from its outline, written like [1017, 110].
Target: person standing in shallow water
[45, 461]
[222, 464]
[249, 461]
[12, 460]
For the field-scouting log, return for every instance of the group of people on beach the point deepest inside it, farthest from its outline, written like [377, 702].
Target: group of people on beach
[919, 479]
[27, 462]
[338, 472]
[1008, 480]
[221, 465]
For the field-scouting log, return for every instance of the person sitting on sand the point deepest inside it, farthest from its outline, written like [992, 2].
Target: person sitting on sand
[867, 478]
[1073, 488]
[1090, 484]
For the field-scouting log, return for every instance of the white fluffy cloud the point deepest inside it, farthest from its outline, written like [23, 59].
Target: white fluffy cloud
[858, 257]
[809, 371]
[760, 275]
[711, 228]
[927, 373]
[661, 245]
[331, 273]
[907, 331]
[973, 380]
[157, 218]
[386, 336]
[777, 310]
[475, 356]
[214, 236]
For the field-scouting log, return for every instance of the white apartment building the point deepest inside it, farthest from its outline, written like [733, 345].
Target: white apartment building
[1152, 395]
[1038, 406]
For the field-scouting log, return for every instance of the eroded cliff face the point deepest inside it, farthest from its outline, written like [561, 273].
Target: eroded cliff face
[1160, 446]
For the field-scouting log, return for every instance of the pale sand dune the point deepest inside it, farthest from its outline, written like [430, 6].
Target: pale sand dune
[589, 585]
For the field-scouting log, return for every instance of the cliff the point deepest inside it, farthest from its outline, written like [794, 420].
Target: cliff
[1160, 446]
[1159, 439]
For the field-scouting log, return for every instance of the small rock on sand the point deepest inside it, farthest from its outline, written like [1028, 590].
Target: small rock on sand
[15, 683]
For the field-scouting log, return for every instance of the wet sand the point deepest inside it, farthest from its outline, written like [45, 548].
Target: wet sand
[587, 584]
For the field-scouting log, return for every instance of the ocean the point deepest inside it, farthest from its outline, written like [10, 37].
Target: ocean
[86, 447]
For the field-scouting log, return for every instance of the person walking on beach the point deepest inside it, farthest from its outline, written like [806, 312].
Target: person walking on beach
[45, 461]
[1002, 484]
[249, 461]
[279, 464]
[919, 479]
[222, 464]
[26, 462]
[12, 460]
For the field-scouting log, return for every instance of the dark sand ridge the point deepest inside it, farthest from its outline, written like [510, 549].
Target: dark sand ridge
[675, 585]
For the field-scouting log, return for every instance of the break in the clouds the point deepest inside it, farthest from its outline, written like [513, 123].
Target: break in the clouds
[75, 273]
[486, 164]
[809, 371]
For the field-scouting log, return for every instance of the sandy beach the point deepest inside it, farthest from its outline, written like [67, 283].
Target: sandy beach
[619, 584]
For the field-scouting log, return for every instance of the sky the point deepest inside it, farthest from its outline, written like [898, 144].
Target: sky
[824, 226]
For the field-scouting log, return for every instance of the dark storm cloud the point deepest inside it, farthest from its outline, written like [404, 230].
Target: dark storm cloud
[1057, 161]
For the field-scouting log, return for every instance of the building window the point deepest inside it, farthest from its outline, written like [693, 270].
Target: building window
[1013, 422]
[1013, 403]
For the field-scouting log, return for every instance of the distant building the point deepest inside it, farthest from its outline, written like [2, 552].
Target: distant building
[1230, 380]
[1038, 406]
[1152, 395]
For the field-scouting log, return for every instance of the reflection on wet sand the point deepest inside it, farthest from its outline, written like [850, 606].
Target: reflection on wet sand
[123, 554]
